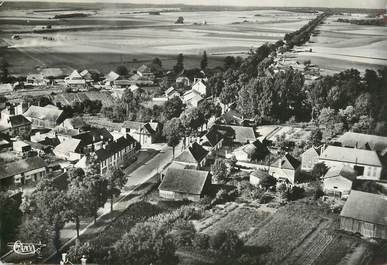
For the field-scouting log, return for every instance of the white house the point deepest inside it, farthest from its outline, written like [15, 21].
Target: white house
[338, 182]
[192, 98]
[200, 87]
[366, 162]
[74, 78]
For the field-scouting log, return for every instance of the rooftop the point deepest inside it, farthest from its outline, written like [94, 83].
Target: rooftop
[43, 113]
[114, 147]
[21, 166]
[367, 207]
[184, 181]
[363, 141]
[351, 155]
[194, 154]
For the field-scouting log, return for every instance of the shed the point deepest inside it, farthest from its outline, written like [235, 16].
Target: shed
[365, 213]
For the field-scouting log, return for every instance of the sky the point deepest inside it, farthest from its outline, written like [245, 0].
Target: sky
[312, 3]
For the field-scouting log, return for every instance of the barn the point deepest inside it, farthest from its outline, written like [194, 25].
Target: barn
[365, 213]
[179, 184]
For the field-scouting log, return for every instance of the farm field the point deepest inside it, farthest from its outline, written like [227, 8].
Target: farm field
[340, 46]
[112, 36]
[298, 233]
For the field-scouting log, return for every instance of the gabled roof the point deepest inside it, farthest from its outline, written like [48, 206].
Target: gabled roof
[346, 172]
[194, 154]
[151, 127]
[288, 162]
[313, 151]
[214, 136]
[70, 145]
[232, 117]
[114, 147]
[144, 69]
[21, 166]
[184, 181]
[43, 113]
[74, 74]
[111, 76]
[351, 155]
[76, 122]
[363, 141]
[367, 207]
[18, 120]
[169, 90]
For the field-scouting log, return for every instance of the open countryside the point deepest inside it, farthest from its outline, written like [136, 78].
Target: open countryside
[192, 135]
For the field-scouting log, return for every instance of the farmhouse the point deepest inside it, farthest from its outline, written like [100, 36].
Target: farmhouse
[36, 80]
[194, 157]
[75, 78]
[285, 168]
[366, 163]
[200, 87]
[364, 141]
[15, 125]
[192, 98]
[179, 184]
[143, 132]
[93, 139]
[310, 158]
[46, 117]
[70, 150]
[338, 182]
[212, 140]
[171, 93]
[237, 134]
[250, 152]
[365, 213]
[22, 173]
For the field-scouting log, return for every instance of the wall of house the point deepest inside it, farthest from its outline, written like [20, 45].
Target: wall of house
[338, 186]
[364, 228]
[308, 162]
[370, 172]
[117, 158]
[178, 196]
[254, 180]
[29, 177]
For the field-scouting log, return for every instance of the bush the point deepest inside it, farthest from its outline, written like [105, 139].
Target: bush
[226, 243]
[201, 241]
[184, 233]
[266, 198]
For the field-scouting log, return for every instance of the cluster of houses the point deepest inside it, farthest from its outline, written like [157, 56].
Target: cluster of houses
[351, 159]
[45, 139]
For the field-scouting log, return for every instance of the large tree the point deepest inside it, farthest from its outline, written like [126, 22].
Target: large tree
[116, 180]
[179, 67]
[173, 131]
[173, 108]
[219, 170]
[10, 218]
[204, 61]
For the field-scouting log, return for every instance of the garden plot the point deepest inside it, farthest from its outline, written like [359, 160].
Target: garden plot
[243, 218]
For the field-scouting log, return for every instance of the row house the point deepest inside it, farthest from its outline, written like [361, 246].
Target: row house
[112, 154]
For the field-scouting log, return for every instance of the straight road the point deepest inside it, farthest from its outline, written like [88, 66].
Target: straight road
[130, 194]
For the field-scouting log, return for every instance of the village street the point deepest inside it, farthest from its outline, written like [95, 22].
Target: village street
[139, 182]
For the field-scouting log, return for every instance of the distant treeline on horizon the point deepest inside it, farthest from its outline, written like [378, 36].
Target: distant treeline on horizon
[60, 6]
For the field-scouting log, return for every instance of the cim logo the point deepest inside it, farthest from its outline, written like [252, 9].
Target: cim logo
[27, 248]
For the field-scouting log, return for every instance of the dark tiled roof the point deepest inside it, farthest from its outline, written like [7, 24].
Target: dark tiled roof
[289, 162]
[24, 165]
[214, 136]
[94, 135]
[367, 207]
[18, 120]
[184, 181]
[195, 154]
[114, 147]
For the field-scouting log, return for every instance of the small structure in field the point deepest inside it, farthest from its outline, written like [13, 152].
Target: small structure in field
[365, 213]
[180, 184]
